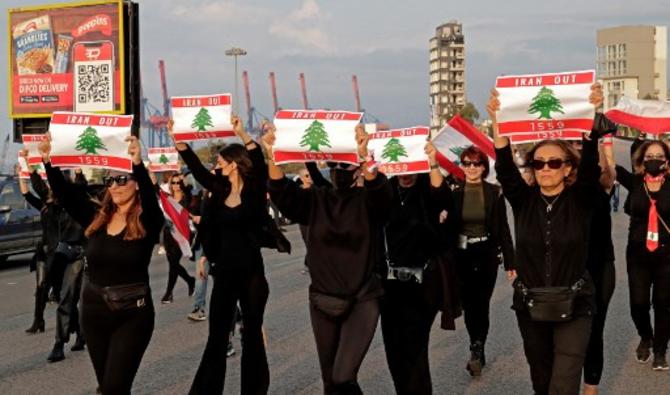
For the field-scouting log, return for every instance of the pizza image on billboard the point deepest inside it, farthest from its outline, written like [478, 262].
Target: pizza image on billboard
[66, 57]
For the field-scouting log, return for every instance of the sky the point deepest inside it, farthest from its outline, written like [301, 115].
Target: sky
[383, 42]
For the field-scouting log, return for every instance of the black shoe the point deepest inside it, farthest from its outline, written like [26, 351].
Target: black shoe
[37, 326]
[57, 353]
[167, 299]
[191, 286]
[475, 364]
[660, 363]
[642, 353]
[79, 344]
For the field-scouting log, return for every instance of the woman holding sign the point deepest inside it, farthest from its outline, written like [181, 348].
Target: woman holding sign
[553, 295]
[117, 314]
[342, 225]
[233, 224]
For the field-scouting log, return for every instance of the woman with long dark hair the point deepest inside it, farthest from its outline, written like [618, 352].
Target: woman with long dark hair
[482, 238]
[233, 223]
[117, 313]
[553, 296]
[648, 250]
[342, 227]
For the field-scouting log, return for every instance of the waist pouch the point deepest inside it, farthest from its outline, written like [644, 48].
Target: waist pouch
[338, 306]
[68, 252]
[550, 304]
[124, 297]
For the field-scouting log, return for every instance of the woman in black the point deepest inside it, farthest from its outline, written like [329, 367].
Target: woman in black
[648, 250]
[480, 227]
[552, 227]
[233, 222]
[117, 313]
[343, 223]
[172, 250]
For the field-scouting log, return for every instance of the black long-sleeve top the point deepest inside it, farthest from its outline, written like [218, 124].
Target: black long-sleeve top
[551, 246]
[111, 260]
[343, 226]
[638, 206]
[233, 232]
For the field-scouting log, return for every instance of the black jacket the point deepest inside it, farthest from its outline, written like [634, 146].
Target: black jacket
[496, 219]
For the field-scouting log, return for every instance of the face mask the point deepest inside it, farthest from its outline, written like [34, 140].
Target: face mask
[654, 167]
[342, 179]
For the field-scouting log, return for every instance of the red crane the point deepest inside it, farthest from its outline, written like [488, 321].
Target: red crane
[357, 96]
[273, 87]
[303, 88]
[160, 121]
[247, 97]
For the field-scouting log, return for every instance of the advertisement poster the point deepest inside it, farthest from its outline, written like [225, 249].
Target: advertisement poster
[66, 57]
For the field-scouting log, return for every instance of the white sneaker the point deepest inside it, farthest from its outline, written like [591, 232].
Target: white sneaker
[197, 315]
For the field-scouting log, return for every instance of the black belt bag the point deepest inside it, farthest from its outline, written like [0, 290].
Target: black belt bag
[124, 297]
[551, 304]
[68, 252]
[337, 306]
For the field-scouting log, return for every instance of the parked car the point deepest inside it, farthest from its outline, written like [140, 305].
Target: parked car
[20, 227]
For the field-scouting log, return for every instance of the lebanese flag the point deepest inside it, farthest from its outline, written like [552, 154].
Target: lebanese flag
[649, 116]
[455, 136]
[178, 221]
[400, 151]
[202, 117]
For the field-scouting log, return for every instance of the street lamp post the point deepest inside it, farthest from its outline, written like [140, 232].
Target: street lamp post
[236, 52]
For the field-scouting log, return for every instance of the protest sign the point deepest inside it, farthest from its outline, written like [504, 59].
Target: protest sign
[201, 117]
[400, 151]
[545, 106]
[163, 159]
[90, 140]
[309, 136]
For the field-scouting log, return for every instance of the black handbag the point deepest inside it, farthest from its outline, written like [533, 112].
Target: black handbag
[126, 297]
[67, 252]
[332, 306]
[550, 304]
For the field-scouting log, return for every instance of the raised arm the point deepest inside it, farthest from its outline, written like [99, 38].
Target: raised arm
[200, 173]
[379, 195]
[625, 177]
[30, 198]
[293, 201]
[152, 215]
[317, 177]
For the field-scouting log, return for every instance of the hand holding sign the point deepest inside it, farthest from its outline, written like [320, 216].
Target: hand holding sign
[431, 152]
[269, 138]
[44, 148]
[134, 149]
[362, 139]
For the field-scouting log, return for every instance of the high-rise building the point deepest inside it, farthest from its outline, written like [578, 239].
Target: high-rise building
[632, 61]
[447, 73]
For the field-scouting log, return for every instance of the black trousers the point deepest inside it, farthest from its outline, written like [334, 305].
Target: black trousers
[41, 290]
[251, 290]
[342, 344]
[408, 310]
[116, 340]
[476, 270]
[67, 315]
[604, 281]
[176, 270]
[555, 353]
[649, 279]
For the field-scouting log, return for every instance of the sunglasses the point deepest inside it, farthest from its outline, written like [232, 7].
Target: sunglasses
[553, 164]
[469, 163]
[119, 180]
[341, 166]
[175, 182]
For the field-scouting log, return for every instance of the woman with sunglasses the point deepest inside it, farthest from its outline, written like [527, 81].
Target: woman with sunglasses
[233, 223]
[648, 250]
[481, 232]
[183, 196]
[553, 296]
[117, 313]
[343, 224]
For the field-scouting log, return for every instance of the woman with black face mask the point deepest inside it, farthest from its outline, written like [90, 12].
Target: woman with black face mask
[648, 251]
[341, 250]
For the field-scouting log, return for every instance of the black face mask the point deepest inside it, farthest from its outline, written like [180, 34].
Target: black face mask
[342, 179]
[654, 167]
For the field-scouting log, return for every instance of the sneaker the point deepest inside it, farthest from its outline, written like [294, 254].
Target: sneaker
[642, 354]
[660, 363]
[231, 350]
[167, 299]
[197, 315]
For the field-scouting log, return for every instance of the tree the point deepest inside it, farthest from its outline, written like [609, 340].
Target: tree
[545, 103]
[202, 120]
[163, 160]
[90, 142]
[315, 135]
[393, 150]
[469, 112]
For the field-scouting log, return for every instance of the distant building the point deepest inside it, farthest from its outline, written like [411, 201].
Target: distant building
[447, 73]
[632, 62]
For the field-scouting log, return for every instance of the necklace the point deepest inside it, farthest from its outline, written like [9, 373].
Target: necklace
[550, 205]
[403, 194]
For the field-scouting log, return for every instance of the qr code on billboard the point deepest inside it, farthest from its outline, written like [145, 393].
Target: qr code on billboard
[94, 83]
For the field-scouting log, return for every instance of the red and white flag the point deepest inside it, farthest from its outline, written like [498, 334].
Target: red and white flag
[400, 151]
[202, 117]
[25, 168]
[649, 116]
[163, 159]
[454, 138]
[178, 222]
[31, 142]
[90, 140]
[310, 136]
[545, 106]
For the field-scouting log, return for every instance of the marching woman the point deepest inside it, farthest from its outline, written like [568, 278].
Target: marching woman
[553, 296]
[648, 250]
[479, 221]
[233, 223]
[117, 313]
[343, 224]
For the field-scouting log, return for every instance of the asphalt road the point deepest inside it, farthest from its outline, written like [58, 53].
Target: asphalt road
[175, 350]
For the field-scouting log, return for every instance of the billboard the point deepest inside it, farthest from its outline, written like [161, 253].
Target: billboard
[67, 57]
